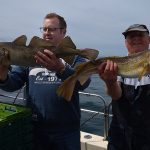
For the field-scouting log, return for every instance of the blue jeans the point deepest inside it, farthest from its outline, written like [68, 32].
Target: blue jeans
[57, 141]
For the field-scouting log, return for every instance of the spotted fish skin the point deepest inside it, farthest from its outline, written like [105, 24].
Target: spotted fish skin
[17, 53]
[132, 66]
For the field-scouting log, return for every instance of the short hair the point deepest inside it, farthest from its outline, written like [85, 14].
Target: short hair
[62, 21]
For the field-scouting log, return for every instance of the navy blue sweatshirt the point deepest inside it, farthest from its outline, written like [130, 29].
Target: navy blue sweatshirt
[41, 87]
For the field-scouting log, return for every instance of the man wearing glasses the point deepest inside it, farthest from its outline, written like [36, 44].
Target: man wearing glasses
[130, 126]
[56, 121]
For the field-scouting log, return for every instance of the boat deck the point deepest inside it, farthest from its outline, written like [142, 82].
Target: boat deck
[92, 142]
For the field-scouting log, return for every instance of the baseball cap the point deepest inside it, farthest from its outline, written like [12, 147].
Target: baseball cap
[136, 27]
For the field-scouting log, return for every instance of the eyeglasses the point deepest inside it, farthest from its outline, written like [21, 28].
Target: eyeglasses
[44, 29]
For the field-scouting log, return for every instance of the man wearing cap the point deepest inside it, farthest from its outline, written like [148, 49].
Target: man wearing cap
[130, 126]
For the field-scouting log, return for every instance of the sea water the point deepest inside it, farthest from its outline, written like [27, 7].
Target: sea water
[91, 122]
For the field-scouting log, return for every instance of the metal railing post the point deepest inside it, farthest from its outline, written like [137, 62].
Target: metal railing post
[106, 112]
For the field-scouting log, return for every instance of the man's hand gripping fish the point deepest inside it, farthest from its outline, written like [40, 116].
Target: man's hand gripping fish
[134, 66]
[17, 53]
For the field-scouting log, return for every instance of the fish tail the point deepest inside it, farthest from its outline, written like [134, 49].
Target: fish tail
[65, 90]
[90, 54]
[81, 74]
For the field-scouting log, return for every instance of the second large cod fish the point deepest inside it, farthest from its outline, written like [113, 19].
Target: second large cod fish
[133, 66]
[17, 53]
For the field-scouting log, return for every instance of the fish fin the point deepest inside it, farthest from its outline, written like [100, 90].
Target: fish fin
[21, 40]
[65, 90]
[90, 54]
[83, 79]
[40, 43]
[84, 74]
[69, 59]
[66, 46]
[80, 66]
[83, 65]
[81, 74]
[140, 77]
[87, 74]
[144, 71]
[67, 42]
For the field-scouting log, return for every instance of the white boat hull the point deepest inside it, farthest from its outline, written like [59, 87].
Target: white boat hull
[92, 142]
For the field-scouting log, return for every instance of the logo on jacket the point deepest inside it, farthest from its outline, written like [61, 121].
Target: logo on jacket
[43, 76]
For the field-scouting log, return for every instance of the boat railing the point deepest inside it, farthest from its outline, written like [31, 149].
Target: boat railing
[106, 113]
[13, 97]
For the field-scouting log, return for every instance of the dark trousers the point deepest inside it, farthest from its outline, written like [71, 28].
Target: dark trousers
[66, 140]
[124, 139]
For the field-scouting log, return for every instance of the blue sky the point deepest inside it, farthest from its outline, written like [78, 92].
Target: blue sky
[94, 24]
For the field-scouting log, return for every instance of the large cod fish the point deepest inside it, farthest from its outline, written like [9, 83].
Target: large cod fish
[17, 53]
[133, 66]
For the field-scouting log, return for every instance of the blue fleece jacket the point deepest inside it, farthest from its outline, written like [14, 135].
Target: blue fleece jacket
[41, 87]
